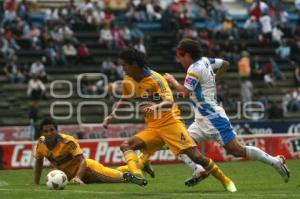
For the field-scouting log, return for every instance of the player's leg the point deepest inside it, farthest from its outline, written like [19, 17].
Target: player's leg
[96, 172]
[226, 136]
[198, 137]
[144, 162]
[255, 153]
[180, 142]
[138, 142]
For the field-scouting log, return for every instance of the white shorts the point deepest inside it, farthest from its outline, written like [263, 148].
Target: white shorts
[217, 129]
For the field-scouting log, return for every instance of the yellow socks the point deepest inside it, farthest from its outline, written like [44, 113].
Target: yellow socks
[214, 170]
[142, 158]
[132, 161]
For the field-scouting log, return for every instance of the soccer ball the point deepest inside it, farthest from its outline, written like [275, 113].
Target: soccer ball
[56, 179]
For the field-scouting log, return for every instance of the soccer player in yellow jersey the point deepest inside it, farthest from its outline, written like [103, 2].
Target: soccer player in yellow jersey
[161, 116]
[64, 153]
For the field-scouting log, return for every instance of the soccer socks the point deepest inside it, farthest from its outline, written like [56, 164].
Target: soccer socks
[142, 158]
[188, 161]
[257, 154]
[214, 170]
[132, 161]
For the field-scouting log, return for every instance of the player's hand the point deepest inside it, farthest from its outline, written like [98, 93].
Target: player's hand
[77, 180]
[170, 78]
[108, 120]
[150, 109]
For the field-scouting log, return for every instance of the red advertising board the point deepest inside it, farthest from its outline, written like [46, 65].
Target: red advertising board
[91, 131]
[17, 155]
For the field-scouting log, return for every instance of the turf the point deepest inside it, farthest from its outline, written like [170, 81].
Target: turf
[253, 180]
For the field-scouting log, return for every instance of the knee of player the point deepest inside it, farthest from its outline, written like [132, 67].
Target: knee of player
[237, 151]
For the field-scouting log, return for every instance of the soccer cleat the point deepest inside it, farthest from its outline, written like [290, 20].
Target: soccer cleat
[135, 179]
[230, 187]
[282, 168]
[195, 179]
[148, 169]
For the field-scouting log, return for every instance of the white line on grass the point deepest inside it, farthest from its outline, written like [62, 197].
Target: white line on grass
[3, 183]
[233, 195]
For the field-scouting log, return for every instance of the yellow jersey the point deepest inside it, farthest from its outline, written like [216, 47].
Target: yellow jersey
[153, 88]
[62, 156]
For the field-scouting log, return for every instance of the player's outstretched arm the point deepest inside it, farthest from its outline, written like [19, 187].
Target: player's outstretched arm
[38, 168]
[111, 116]
[220, 72]
[166, 104]
[82, 168]
[175, 84]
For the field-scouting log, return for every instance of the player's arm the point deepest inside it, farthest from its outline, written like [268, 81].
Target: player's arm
[38, 168]
[81, 170]
[128, 91]
[165, 104]
[221, 65]
[112, 115]
[175, 84]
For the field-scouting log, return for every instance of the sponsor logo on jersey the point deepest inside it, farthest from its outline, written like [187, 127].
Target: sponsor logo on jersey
[191, 81]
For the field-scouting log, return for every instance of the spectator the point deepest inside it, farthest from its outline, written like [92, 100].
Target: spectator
[169, 20]
[263, 99]
[251, 27]
[36, 89]
[154, 10]
[5, 48]
[13, 71]
[117, 38]
[55, 55]
[70, 53]
[246, 90]
[10, 37]
[257, 69]
[277, 34]
[269, 80]
[126, 35]
[22, 10]
[266, 27]
[291, 101]
[257, 8]
[83, 53]
[38, 69]
[35, 37]
[67, 34]
[106, 37]
[244, 65]
[108, 67]
[297, 75]
[283, 51]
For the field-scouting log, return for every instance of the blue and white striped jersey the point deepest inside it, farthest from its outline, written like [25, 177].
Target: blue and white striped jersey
[200, 79]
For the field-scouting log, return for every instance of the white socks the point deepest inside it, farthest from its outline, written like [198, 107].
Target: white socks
[195, 167]
[257, 154]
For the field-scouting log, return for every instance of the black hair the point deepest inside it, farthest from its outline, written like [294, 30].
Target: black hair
[190, 46]
[47, 121]
[134, 56]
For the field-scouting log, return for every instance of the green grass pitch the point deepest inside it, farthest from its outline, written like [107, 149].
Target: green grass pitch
[253, 180]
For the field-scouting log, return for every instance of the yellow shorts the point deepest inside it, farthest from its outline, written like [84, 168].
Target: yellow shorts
[104, 174]
[175, 136]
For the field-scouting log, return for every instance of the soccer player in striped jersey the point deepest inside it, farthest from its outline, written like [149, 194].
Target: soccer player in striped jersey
[211, 121]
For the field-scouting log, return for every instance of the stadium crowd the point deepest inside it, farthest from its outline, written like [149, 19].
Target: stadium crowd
[268, 22]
